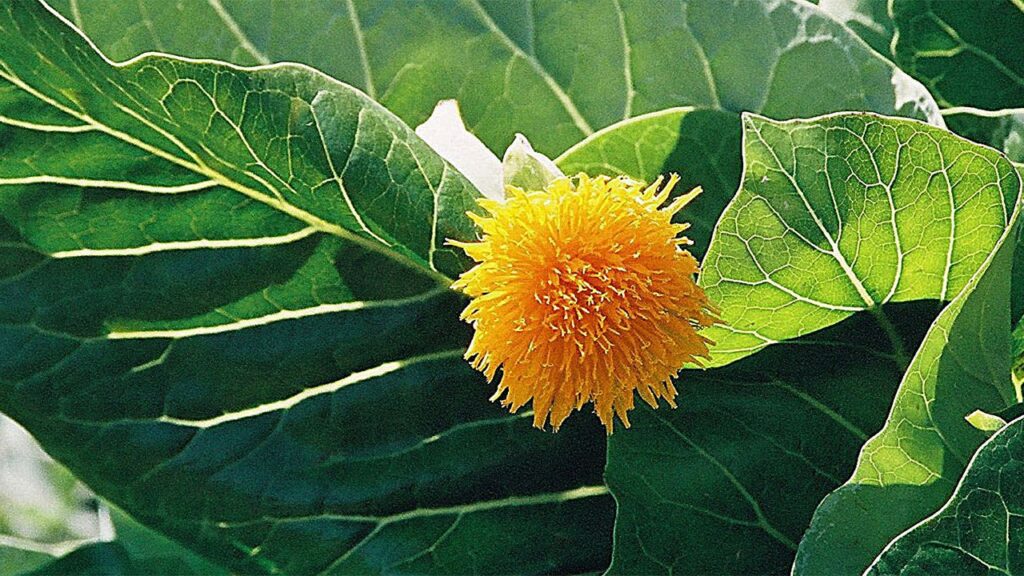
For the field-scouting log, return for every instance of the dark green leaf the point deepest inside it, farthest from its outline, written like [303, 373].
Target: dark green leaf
[223, 305]
[1001, 129]
[966, 53]
[727, 483]
[99, 559]
[137, 550]
[152, 553]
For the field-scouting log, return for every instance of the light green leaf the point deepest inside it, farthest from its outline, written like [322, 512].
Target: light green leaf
[554, 70]
[223, 305]
[978, 531]
[843, 214]
[985, 422]
[288, 149]
[910, 467]
[525, 168]
[966, 53]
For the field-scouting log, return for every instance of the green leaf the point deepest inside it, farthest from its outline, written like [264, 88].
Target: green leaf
[223, 305]
[838, 215]
[554, 70]
[17, 555]
[1000, 129]
[727, 482]
[966, 53]
[978, 530]
[97, 559]
[289, 150]
[525, 168]
[910, 467]
[153, 553]
[835, 216]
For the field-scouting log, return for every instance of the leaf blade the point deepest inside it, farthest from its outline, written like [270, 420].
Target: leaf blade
[785, 210]
[514, 66]
[975, 529]
[255, 392]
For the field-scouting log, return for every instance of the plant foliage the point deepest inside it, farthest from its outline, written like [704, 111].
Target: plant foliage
[225, 302]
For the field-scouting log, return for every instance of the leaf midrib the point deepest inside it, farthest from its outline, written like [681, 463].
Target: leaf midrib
[551, 498]
[199, 167]
[836, 254]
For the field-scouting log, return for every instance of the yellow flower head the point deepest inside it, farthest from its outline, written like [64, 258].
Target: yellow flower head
[582, 294]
